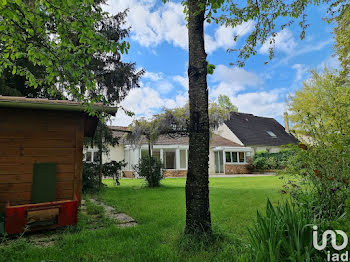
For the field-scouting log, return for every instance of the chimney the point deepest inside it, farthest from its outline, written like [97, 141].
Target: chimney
[286, 122]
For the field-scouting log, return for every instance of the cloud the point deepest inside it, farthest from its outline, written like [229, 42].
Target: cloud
[266, 103]
[301, 70]
[145, 102]
[224, 36]
[183, 80]
[231, 80]
[152, 24]
[153, 76]
[284, 42]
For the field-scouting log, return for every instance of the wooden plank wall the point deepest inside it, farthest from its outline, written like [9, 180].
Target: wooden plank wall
[34, 136]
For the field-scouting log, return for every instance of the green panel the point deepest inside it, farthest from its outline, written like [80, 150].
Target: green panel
[2, 224]
[44, 182]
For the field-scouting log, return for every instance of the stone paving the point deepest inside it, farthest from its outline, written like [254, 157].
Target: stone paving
[122, 219]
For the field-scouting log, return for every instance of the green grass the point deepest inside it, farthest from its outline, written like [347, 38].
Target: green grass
[160, 213]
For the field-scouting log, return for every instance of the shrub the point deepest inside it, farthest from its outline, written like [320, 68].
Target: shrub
[267, 161]
[284, 233]
[90, 176]
[91, 173]
[113, 168]
[318, 179]
[150, 168]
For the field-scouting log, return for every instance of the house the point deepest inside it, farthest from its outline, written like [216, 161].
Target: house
[231, 146]
[41, 150]
[259, 133]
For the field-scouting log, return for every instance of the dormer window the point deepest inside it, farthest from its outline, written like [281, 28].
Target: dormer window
[272, 134]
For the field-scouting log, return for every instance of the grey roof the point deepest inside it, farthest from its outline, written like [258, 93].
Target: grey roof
[216, 140]
[253, 130]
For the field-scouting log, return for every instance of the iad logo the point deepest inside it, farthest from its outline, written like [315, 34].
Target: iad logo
[332, 235]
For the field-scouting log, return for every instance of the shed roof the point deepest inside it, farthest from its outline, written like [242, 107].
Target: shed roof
[90, 122]
[257, 130]
[47, 104]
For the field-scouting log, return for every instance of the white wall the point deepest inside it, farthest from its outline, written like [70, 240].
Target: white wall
[211, 162]
[116, 153]
[226, 132]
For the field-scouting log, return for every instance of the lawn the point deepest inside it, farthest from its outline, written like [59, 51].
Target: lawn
[160, 214]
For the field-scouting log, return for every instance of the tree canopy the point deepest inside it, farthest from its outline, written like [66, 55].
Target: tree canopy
[75, 46]
[320, 109]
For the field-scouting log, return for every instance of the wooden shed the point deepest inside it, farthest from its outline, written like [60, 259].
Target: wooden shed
[34, 131]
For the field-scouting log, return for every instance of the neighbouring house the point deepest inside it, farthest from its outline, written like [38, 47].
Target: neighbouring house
[41, 153]
[259, 133]
[231, 146]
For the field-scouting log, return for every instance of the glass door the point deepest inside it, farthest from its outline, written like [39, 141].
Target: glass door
[219, 162]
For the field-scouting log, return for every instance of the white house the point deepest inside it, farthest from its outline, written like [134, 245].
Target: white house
[231, 146]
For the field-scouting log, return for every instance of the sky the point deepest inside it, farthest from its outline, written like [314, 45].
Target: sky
[159, 45]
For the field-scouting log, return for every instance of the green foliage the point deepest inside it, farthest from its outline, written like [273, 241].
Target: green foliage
[112, 168]
[150, 168]
[342, 39]
[225, 102]
[69, 42]
[321, 108]
[91, 173]
[318, 179]
[318, 175]
[284, 233]
[90, 177]
[267, 161]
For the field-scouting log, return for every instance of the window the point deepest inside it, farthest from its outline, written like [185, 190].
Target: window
[156, 154]
[144, 153]
[247, 156]
[228, 157]
[272, 134]
[91, 155]
[169, 159]
[241, 157]
[235, 157]
[88, 156]
[183, 162]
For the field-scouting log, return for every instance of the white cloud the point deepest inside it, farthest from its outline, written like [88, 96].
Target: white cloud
[153, 76]
[301, 70]
[145, 102]
[183, 80]
[284, 42]
[232, 80]
[266, 103]
[235, 75]
[151, 24]
[224, 36]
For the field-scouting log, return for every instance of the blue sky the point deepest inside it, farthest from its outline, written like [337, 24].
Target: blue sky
[158, 41]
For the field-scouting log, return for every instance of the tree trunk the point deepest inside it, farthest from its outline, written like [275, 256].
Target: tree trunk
[197, 184]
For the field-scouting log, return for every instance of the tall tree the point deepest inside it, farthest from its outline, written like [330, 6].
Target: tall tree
[225, 102]
[342, 39]
[75, 43]
[264, 14]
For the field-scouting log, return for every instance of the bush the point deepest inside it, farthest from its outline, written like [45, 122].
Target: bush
[284, 233]
[90, 176]
[113, 168]
[91, 173]
[151, 169]
[268, 161]
[318, 179]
